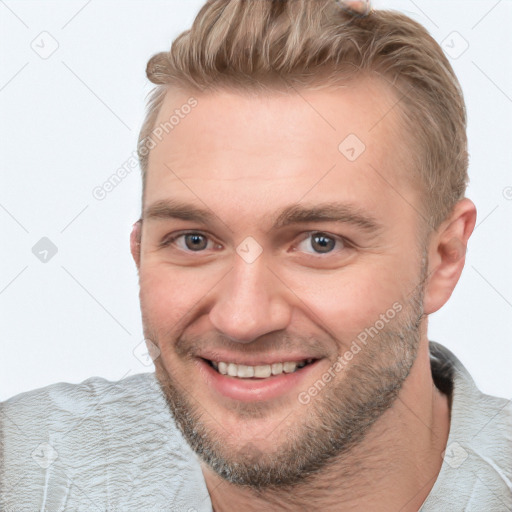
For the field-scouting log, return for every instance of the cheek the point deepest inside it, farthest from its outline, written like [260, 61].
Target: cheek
[166, 296]
[345, 303]
[172, 298]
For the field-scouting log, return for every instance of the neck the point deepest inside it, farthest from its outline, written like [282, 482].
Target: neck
[393, 468]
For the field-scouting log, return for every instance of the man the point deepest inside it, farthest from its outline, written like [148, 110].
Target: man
[303, 212]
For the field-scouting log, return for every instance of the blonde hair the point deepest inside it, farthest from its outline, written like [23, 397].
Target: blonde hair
[250, 45]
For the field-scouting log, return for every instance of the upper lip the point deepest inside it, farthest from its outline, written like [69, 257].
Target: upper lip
[254, 360]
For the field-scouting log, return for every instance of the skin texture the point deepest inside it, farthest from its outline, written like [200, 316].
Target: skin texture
[380, 421]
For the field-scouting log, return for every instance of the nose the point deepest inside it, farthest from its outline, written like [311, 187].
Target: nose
[251, 301]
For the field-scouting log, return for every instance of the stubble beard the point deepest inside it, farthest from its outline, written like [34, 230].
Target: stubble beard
[333, 422]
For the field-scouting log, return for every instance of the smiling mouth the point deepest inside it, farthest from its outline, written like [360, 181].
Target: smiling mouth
[242, 371]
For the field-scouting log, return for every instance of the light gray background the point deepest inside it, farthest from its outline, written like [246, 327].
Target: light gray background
[70, 120]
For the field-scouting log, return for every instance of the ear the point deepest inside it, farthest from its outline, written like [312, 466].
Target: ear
[447, 255]
[135, 238]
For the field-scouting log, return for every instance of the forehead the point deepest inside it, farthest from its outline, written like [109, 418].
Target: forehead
[335, 143]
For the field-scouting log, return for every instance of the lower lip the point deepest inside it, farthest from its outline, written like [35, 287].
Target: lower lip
[249, 390]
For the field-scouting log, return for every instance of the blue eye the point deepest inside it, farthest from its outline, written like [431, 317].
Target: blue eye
[322, 243]
[192, 241]
[316, 242]
[195, 241]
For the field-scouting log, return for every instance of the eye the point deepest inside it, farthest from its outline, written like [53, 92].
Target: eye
[322, 243]
[191, 241]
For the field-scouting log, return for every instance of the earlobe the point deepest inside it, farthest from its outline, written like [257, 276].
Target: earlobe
[447, 255]
[135, 240]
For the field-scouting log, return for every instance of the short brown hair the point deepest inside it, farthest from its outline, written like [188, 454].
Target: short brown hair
[257, 44]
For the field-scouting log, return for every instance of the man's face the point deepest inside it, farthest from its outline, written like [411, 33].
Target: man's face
[248, 285]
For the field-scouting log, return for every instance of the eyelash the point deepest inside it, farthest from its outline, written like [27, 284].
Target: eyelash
[170, 240]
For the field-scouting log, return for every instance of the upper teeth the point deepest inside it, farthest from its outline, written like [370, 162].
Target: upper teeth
[261, 371]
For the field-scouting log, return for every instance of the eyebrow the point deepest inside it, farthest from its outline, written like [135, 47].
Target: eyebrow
[290, 215]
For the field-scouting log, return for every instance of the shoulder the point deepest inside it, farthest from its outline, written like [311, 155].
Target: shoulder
[472, 412]
[99, 440]
[71, 398]
[80, 408]
[476, 473]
